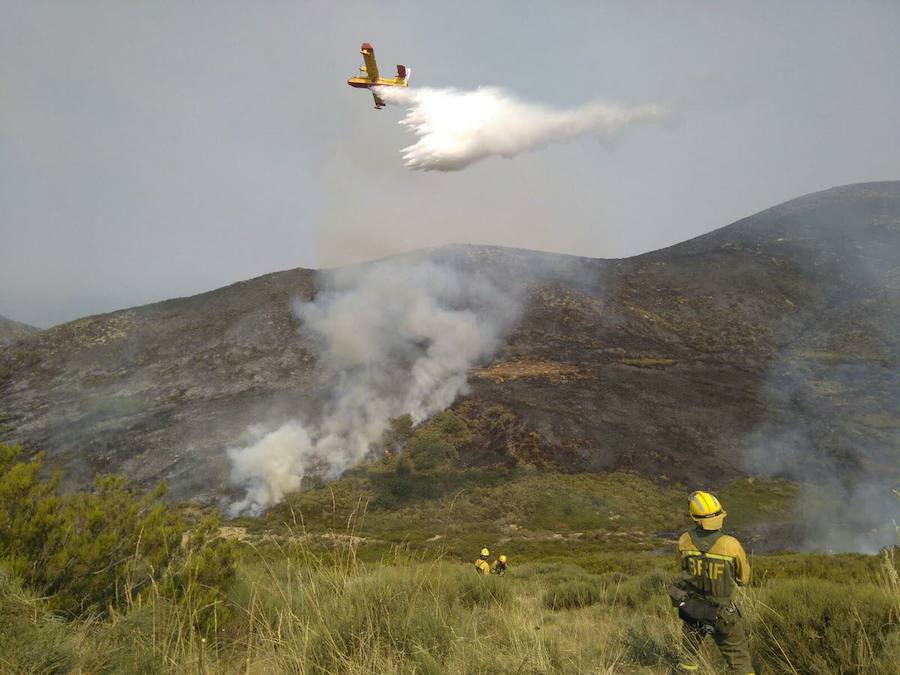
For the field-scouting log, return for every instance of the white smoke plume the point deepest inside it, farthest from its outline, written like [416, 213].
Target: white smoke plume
[393, 337]
[457, 128]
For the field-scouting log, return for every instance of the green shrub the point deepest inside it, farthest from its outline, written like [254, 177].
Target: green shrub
[428, 450]
[551, 573]
[475, 590]
[29, 510]
[398, 432]
[451, 427]
[106, 546]
[98, 551]
[575, 593]
[204, 569]
[88, 550]
[645, 589]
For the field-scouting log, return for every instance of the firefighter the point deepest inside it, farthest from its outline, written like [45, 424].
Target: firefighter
[499, 566]
[482, 566]
[711, 563]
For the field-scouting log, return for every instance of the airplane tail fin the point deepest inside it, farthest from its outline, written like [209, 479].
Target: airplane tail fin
[403, 74]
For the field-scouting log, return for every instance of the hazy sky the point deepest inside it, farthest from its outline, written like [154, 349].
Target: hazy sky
[150, 149]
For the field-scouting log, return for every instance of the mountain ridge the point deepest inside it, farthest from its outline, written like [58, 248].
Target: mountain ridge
[683, 363]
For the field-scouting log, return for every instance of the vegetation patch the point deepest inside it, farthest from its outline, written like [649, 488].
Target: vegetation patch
[552, 371]
[253, 597]
[99, 551]
[648, 362]
[295, 610]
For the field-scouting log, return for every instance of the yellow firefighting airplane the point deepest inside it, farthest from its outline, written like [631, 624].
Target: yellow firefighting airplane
[370, 75]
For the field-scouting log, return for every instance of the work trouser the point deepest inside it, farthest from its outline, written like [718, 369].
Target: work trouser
[730, 638]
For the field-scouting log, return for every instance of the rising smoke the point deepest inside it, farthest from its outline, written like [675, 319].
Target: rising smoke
[393, 337]
[832, 393]
[457, 128]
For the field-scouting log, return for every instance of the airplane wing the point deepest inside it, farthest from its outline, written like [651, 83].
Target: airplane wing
[368, 55]
[379, 102]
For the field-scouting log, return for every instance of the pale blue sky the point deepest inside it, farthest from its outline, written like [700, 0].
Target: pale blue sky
[150, 149]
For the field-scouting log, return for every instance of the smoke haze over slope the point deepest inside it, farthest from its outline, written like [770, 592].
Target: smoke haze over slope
[457, 128]
[392, 337]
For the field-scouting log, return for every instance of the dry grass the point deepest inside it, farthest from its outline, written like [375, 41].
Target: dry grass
[301, 610]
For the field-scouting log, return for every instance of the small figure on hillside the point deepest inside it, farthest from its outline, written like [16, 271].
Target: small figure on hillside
[711, 563]
[499, 566]
[482, 566]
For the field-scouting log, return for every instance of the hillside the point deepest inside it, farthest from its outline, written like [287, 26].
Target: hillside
[767, 346]
[10, 330]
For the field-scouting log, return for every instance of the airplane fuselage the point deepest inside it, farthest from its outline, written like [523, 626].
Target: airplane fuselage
[366, 83]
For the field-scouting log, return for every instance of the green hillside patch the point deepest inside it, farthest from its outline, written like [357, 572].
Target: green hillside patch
[749, 501]
[418, 495]
[548, 515]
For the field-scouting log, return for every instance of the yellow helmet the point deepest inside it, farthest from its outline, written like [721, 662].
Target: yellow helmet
[485, 552]
[706, 510]
[503, 559]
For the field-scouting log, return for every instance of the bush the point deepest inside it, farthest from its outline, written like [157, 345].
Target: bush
[98, 551]
[89, 551]
[205, 569]
[646, 589]
[474, 590]
[428, 451]
[451, 427]
[575, 593]
[398, 432]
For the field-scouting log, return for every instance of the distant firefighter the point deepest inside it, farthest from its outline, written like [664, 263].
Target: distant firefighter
[711, 563]
[499, 566]
[482, 566]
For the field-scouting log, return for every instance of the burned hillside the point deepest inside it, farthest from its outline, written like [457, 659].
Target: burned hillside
[768, 346]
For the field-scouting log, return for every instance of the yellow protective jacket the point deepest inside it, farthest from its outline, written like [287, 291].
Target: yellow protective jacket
[712, 563]
[482, 566]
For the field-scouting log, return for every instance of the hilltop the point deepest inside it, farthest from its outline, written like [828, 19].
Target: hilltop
[10, 330]
[767, 346]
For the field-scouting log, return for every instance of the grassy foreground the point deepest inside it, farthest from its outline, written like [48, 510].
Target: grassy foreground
[291, 609]
[370, 574]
